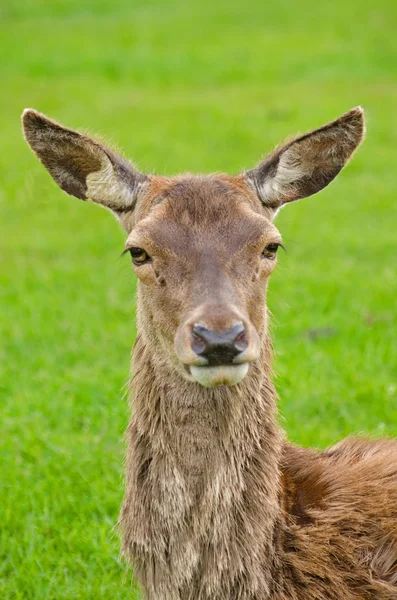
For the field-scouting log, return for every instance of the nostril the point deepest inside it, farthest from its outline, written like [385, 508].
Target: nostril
[198, 343]
[241, 341]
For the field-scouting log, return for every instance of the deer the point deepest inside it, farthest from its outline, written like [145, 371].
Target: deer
[218, 504]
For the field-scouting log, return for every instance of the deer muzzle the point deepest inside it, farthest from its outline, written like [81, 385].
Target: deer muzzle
[217, 351]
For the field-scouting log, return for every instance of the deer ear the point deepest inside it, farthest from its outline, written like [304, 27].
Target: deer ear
[81, 166]
[308, 163]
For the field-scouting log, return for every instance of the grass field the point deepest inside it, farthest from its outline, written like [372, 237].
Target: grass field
[201, 86]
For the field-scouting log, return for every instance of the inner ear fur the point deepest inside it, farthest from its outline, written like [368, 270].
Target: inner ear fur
[308, 163]
[81, 166]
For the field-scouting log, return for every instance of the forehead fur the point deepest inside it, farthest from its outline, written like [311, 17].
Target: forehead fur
[199, 199]
[203, 198]
[189, 211]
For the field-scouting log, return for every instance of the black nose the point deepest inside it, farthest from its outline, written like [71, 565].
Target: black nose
[219, 348]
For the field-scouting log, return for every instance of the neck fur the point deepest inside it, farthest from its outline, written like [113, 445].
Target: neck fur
[201, 508]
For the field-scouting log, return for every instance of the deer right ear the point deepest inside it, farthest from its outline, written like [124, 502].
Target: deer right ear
[308, 163]
[81, 166]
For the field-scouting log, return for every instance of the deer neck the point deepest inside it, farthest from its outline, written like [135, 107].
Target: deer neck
[202, 501]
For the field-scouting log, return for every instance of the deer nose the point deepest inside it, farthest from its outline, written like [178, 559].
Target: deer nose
[219, 348]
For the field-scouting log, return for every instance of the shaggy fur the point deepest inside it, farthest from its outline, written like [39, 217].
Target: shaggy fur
[218, 506]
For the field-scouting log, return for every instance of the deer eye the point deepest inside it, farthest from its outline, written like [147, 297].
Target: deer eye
[139, 256]
[271, 250]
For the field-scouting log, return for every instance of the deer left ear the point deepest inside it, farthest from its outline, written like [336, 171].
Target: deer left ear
[81, 166]
[308, 163]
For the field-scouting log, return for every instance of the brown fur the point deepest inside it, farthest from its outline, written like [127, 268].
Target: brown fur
[218, 506]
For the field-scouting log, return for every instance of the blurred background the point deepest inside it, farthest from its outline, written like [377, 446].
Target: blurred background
[200, 86]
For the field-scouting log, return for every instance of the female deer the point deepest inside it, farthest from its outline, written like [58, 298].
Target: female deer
[218, 506]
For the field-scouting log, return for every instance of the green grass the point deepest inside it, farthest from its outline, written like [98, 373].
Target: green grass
[201, 86]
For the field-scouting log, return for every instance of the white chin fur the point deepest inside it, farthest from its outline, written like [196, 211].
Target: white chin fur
[222, 375]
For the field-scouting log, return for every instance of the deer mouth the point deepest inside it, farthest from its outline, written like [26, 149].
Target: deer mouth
[219, 375]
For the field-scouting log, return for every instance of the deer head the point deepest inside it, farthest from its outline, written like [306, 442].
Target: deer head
[203, 248]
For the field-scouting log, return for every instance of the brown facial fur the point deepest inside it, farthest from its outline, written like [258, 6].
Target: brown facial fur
[205, 239]
[218, 506]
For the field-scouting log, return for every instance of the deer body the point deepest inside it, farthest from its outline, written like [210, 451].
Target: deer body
[218, 506]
